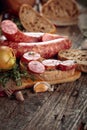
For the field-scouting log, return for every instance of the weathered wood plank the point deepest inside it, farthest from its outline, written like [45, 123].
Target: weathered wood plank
[62, 104]
[16, 115]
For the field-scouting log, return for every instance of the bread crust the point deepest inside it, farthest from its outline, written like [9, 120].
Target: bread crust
[80, 56]
[32, 21]
[72, 78]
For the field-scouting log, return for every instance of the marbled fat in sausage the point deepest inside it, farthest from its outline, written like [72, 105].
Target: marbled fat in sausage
[50, 64]
[36, 67]
[67, 65]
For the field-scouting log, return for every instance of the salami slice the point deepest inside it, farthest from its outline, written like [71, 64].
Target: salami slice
[67, 65]
[50, 64]
[36, 67]
[12, 33]
[29, 56]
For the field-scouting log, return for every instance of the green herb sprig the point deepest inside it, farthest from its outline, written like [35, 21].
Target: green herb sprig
[15, 74]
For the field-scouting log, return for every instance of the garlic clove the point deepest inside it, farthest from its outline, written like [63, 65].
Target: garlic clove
[42, 87]
[19, 96]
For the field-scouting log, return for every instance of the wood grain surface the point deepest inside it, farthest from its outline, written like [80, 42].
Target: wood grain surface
[63, 109]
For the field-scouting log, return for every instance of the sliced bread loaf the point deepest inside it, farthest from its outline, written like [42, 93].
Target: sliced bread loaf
[61, 12]
[32, 21]
[80, 56]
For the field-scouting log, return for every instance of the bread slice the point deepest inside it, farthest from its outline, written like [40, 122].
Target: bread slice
[61, 12]
[58, 76]
[71, 78]
[28, 83]
[32, 21]
[80, 56]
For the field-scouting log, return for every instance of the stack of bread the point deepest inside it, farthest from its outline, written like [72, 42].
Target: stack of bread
[52, 12]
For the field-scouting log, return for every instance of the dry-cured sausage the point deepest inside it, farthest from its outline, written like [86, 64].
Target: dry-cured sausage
[46, 49]
[36, 67]
[29, 56]
[51, 64]
[67, 65]
[12, 33]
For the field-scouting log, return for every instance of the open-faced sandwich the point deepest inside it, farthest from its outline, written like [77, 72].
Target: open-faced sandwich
[36, 54]
[80, 57]
[51, 70]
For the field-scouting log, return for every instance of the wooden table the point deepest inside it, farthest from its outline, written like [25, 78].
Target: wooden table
[63, 109]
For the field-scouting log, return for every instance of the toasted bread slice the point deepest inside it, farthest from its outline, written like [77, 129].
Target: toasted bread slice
[61, 12]
[71, 78]
[58, 76]
[32, 21]
[28, 83]
[80, 56]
